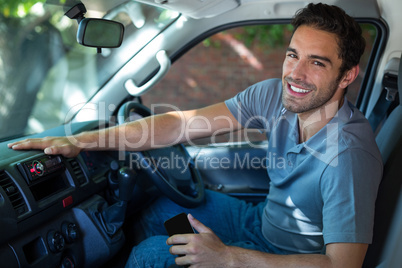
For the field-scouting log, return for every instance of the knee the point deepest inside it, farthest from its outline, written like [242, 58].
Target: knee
[152, 252]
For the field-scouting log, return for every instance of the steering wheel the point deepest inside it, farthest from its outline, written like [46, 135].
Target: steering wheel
[171, 169]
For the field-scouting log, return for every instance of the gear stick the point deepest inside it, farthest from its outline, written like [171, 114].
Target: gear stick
[112, 217]
[127, 178]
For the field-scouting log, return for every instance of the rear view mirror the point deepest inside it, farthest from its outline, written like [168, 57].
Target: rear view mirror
[100, 33]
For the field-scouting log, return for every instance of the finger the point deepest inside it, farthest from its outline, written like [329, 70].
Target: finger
[16, 143]
[184, 261]
[53, 150]
[28, 144]
[66, 150]
[178, 250]
[179, 239]
[198, 226]
[11, 144]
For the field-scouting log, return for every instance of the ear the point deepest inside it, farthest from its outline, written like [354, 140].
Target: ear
[349, 76]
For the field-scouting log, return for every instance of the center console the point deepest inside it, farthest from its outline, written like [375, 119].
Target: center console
[45, 215]
[46, 176]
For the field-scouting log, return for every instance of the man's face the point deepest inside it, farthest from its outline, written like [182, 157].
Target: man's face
[311, 71]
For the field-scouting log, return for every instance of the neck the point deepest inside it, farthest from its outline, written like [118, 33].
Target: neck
[312, 121]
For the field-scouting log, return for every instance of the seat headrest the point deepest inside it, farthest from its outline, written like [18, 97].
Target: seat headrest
[400, 80]
[393, 76]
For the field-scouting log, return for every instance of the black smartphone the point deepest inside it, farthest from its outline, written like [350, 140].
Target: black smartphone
[178, 224]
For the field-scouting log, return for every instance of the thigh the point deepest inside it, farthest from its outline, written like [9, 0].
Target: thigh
[225, 215]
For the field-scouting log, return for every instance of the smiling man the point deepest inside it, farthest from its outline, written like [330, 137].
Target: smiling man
[313, 78]
[320, 208]
[319, 211]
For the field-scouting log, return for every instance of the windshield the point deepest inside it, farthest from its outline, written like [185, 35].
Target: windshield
[45, 74]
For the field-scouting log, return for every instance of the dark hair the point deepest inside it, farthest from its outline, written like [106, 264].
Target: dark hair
[335, 20]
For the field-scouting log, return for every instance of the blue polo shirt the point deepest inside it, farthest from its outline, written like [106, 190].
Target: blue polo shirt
[323, 190]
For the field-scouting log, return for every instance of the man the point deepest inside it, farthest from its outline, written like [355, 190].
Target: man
[319, 211]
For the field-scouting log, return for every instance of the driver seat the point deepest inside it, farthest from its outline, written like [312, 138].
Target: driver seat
[389, 141]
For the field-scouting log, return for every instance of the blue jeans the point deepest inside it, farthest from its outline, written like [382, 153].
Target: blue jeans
[234, 221]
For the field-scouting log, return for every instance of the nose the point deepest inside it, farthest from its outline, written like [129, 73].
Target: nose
[298, 70]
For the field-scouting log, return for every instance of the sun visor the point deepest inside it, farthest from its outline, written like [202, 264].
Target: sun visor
[196, 9]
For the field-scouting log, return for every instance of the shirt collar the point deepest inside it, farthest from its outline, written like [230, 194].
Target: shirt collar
[341, 117]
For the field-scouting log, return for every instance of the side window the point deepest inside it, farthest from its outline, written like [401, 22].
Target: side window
[226, 64]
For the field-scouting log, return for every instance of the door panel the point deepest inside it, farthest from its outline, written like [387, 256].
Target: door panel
[238, 169]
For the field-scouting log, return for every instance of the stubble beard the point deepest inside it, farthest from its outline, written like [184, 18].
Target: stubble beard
[312, 103]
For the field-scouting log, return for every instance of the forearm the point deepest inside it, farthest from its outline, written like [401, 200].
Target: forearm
[151, 132]
[338, 255]
[207, 250]
[240, 257]
[160, 130]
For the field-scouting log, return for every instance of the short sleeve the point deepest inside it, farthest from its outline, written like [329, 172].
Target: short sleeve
[349, 191]
[258, 105]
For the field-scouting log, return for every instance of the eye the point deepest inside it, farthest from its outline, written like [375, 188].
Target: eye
[318, 63]
[292, 55]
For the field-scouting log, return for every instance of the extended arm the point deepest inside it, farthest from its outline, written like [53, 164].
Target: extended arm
[207, 250]
[151, 132]
[340, 255]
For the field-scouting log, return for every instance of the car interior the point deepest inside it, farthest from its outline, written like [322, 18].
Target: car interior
[83, 65]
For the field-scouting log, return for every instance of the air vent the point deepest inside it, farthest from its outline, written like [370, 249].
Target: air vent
[77, 171]
[13, 193]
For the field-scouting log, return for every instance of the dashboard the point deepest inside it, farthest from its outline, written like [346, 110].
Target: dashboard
[50, 206]
[47, 204]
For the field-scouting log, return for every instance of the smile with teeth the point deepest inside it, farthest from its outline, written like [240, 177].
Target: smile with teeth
[299, 90]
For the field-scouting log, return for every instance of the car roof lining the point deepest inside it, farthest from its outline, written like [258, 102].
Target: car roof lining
[209, 8]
